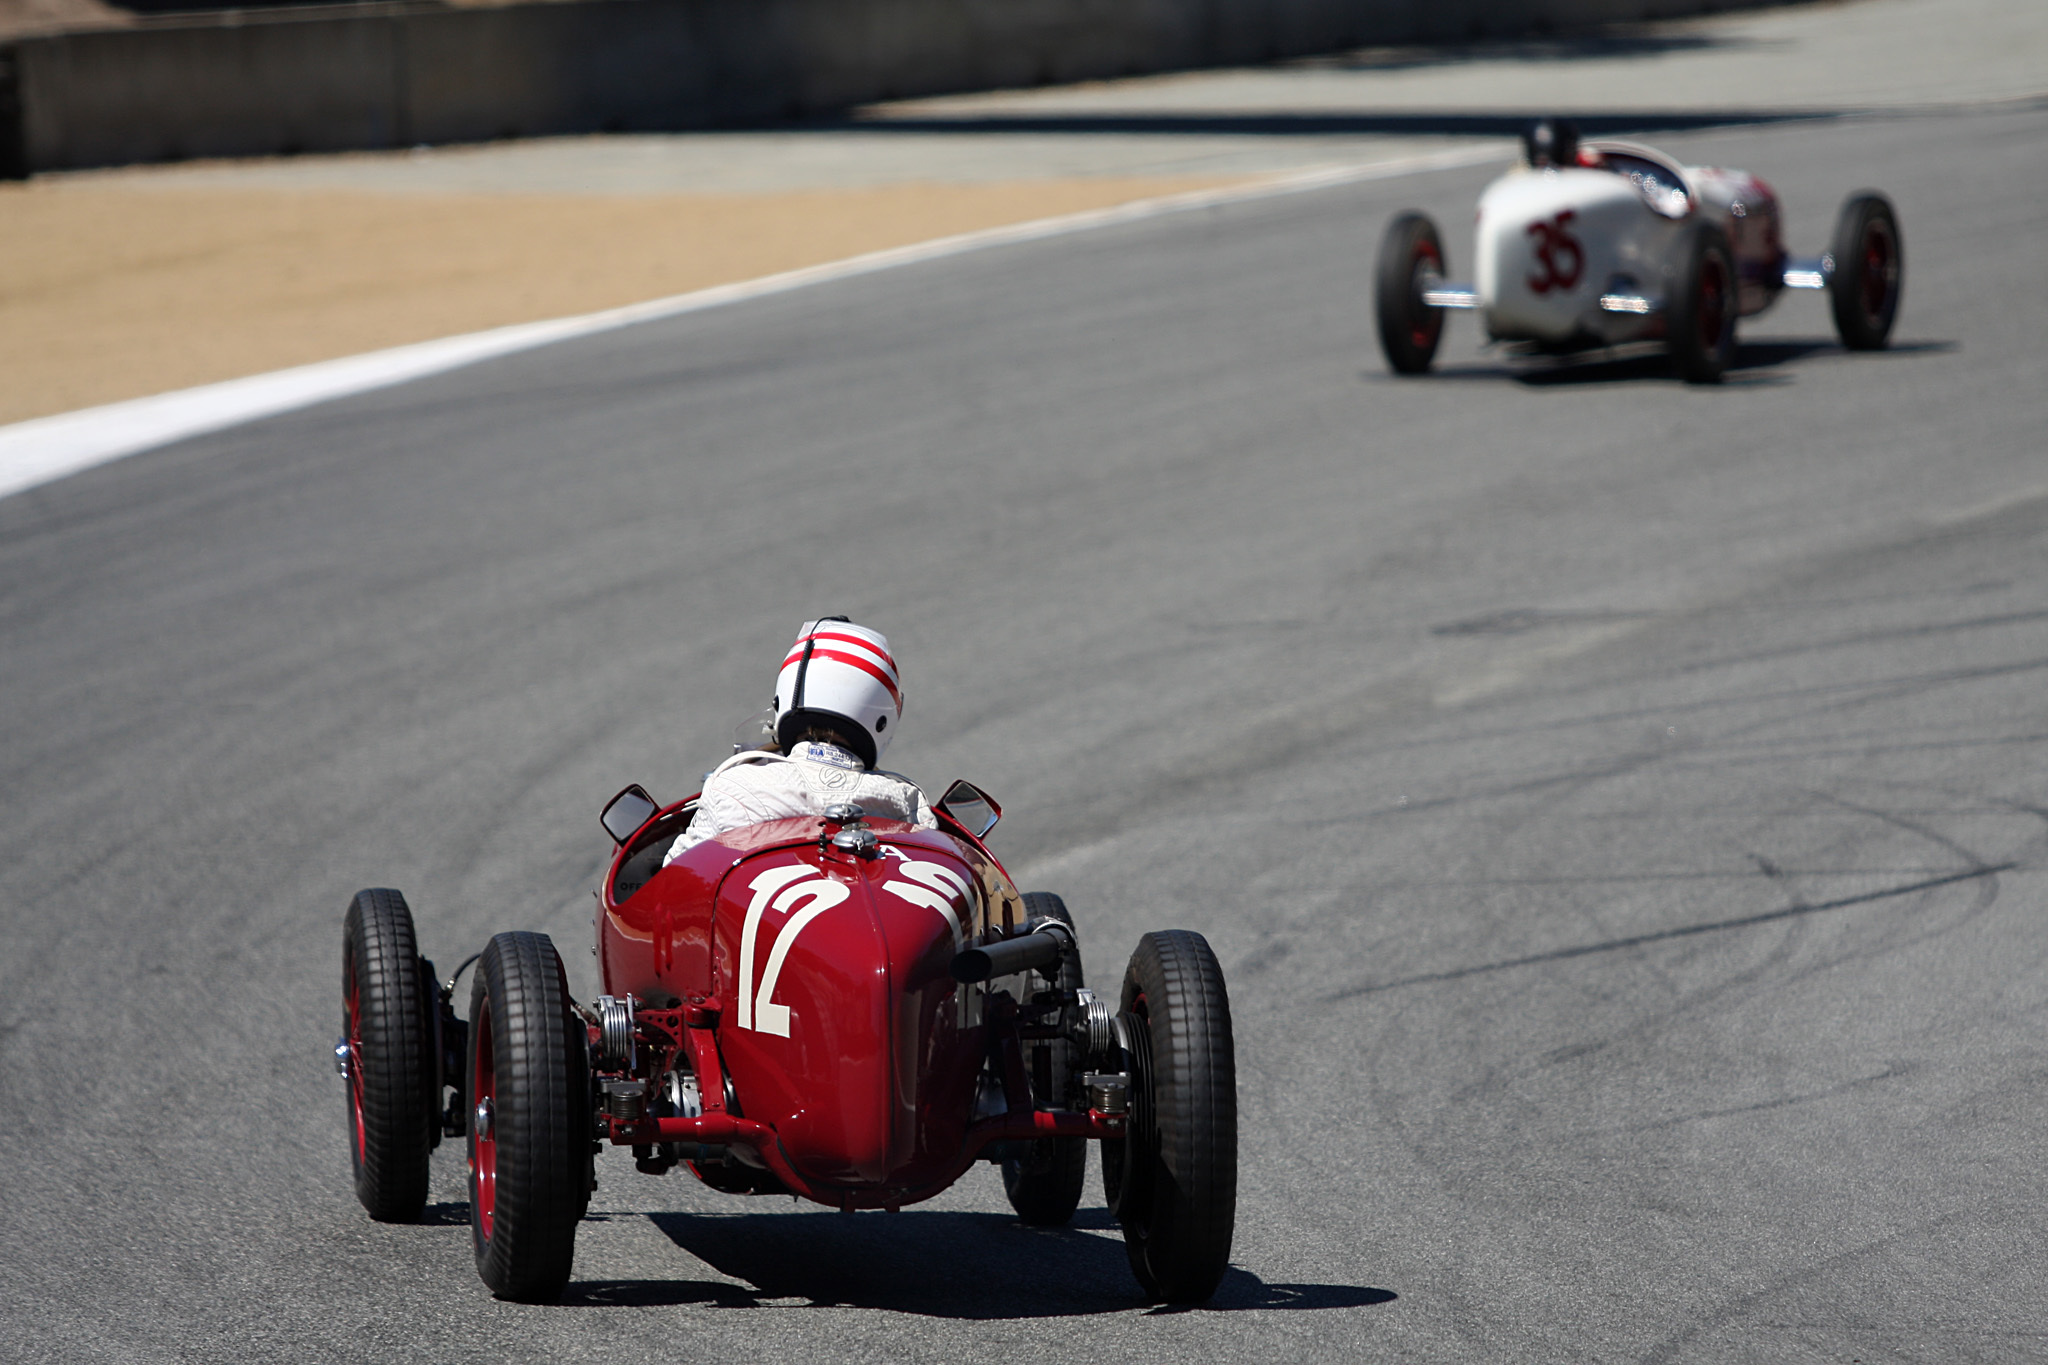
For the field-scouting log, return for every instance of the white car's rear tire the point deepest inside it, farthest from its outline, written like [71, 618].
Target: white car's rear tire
[1869, 273]
[1700, 316]
[1409, 328]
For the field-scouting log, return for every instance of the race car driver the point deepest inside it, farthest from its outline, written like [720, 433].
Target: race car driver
[1552, 143]
[837, 706]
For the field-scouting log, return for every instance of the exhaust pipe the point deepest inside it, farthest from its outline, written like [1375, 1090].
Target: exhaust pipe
[1040, 947]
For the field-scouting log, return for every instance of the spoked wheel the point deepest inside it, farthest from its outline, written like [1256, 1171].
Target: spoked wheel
[1172, 1182]
[1045, 1184]
[1869, 273]
[387, 1051]
[1703, 307]
[530, 1124]
[1411, 254]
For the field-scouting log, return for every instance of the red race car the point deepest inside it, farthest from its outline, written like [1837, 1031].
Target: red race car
[850, 1010]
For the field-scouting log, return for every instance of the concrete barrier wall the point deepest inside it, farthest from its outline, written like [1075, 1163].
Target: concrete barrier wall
[367, 76]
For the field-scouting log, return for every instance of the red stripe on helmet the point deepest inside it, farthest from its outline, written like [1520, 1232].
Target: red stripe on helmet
[854, 661]
[796, 651]
[846, 637]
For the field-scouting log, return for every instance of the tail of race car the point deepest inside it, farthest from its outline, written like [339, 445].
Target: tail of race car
[877, 1051]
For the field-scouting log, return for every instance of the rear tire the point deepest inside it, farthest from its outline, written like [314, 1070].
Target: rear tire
[1869, 273]
[1703, 306]
[1173, 1183]
[1045, 1184]
[389, 1033]
[530, 1119]
[1409, 328]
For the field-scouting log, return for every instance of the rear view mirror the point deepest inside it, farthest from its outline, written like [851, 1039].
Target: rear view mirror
[626, 812]
[755, 732]
[973, 808]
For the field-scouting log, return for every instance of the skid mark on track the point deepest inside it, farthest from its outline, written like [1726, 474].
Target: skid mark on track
[1665, 935]
[1901, 822]
[1574, 780]
[1504, 674]
[1887, 635]
[1897, 1069]
[1785, 1285]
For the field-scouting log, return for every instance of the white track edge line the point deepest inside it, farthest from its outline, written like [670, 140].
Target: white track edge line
[45, 449]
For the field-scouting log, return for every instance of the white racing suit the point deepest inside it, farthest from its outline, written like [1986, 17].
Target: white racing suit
[761, 785]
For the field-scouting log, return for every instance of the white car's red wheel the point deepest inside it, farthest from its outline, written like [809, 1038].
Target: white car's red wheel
[386, 1052]
[1870, 271]
[1702, 308]
[1411, 254]
[530, 1119]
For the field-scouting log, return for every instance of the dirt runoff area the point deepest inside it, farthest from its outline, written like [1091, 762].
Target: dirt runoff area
[116, 286]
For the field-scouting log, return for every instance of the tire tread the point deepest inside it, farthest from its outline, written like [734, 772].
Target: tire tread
[1183, 1249]
[542, 1149]
[381, 951]
[1696, 363]
[1046, 1189]
[1858, 331]
[1394, 300]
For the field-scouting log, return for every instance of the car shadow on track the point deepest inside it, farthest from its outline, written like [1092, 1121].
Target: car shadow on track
[933, 1264]
[1756, 363]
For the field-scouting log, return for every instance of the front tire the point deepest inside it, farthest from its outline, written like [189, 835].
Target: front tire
[1173, 1183]
[530, 1119]
[1045, 1184]
[388, 1033]
[1703, 307]
[1410, 329]
[1869, 273]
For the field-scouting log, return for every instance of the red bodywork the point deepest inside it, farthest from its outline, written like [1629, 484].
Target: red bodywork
[817, 981]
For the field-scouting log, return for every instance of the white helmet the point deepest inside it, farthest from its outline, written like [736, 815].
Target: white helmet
[840, 675]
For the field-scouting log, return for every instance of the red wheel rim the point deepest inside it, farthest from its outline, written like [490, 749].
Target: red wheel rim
[1713, 309]
[483, 1147]
[1878, 269]
[1425, 321]
[352, 1001]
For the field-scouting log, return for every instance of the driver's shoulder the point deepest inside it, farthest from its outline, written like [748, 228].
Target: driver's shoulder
[751, 758]
[746, 771]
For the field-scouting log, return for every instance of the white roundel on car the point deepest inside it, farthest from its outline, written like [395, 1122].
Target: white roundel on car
[1551, 241]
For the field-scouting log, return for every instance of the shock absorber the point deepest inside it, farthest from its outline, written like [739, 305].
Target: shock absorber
[617, 1049]
[1093, 1029]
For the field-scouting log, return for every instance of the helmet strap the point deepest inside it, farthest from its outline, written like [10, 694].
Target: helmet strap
[804, 664]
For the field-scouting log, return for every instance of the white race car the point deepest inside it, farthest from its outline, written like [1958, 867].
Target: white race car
[1603, 244]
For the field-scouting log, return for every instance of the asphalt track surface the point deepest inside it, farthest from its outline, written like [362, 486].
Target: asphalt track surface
[1619, 807]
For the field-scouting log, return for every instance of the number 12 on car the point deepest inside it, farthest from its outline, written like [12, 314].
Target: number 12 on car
[780, 888]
